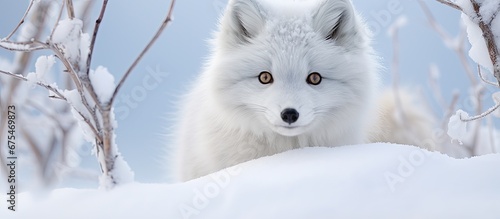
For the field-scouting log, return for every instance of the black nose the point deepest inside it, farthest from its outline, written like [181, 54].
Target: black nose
[290, 115]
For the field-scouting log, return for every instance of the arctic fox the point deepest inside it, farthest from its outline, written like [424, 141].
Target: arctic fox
[282, 75]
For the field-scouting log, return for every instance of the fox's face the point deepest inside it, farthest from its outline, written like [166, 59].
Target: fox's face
[292, 70]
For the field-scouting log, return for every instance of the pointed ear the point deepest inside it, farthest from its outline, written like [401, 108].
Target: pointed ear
[243, 20]
[335, 20]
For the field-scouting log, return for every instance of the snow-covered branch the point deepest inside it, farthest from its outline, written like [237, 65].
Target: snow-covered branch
[449, 3]
[51, 88]
[92, 93]
[482, 15]
[478, 22]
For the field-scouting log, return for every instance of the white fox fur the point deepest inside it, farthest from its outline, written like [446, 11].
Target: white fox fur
[229, 117]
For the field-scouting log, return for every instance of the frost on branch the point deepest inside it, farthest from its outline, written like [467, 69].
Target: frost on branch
[74, 44]
[88, 94]
[47, 134]
[483, 28]
[475, 137]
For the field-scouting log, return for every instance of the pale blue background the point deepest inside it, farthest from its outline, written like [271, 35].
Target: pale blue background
[128, 26]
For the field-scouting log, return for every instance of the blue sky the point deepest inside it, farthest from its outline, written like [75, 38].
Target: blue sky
[146, 112]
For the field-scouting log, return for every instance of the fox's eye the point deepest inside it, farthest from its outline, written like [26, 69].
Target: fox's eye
[314, 78]
[266, 77]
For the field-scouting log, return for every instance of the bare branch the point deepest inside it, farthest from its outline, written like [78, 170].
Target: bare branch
[492, 133]
[57, 21]
[494, 15]
[70, 9]
[22, 20]
[33, 145]
[84, 14]
[432, 21]
[451, 4]
[450, 110]
[446, 37]
[167, 20]
[94, 35]
[395, 74]
[22, 58]
[483, 78]
[434, 84]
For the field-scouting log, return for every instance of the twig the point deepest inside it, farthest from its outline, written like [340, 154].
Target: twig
[434, 84]
[70, 9]
[451, 4]
[464, 61]
[395, 74]
[33, 145]
[46, 86]
[94, 35]
[85, 78]
[482, 115]
[483, 78]
[22, 59]
[446, 37]
[57, 21]
[494, 15]
[21, 46]
[450, 110]
[76, 81]
[20, 22]
[84, 14]
[64, 130]
[492, 135]
[134, 64]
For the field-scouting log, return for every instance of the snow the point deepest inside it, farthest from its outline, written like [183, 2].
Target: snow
[103, 83]
[457, 129]
[68, 35]
[362, 181]
[479, 52]
[43, 65]
[67, 30]
[32, 79]
[13, 46]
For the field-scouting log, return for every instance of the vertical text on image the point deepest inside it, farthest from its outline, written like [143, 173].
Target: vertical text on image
[11, 157]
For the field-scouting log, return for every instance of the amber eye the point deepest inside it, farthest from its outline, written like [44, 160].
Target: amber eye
[314, 78]
[266, 77]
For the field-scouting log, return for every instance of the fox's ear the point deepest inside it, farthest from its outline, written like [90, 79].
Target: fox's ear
[335, 20]
[243, 19]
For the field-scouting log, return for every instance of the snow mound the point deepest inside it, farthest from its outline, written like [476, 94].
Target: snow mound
[363, 181]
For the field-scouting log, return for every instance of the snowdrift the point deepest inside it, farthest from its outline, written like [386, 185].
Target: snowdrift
[363, 181]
